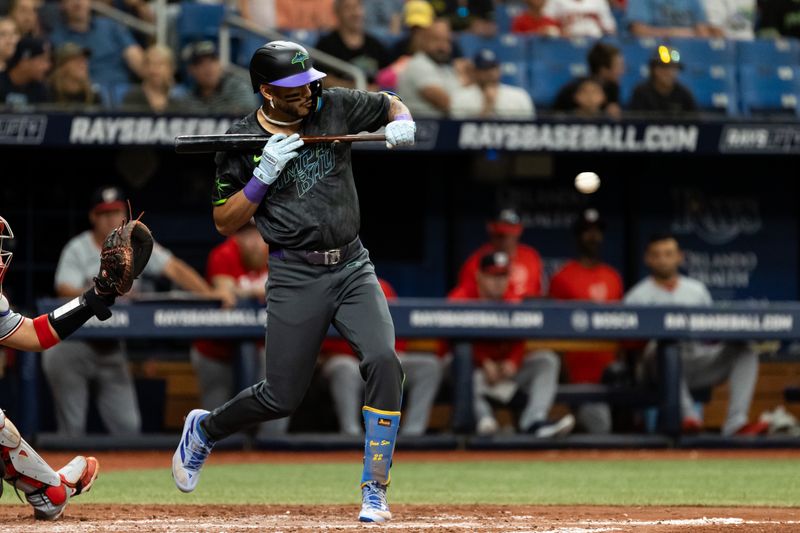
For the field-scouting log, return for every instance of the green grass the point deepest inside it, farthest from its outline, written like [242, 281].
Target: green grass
[638, 482]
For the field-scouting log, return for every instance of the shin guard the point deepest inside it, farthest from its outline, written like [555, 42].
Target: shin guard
[379, 440]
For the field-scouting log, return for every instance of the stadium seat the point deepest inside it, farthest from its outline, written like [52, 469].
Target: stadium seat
[565, 51]
[515, 74]
[705, 52]
[714, 88]
[247, 44]
[304, 37]
[198, 21]
[508, 47]
[547, 79]
[768, 52]
[770, 89]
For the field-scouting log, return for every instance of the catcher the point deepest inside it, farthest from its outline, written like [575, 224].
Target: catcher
[125, 253]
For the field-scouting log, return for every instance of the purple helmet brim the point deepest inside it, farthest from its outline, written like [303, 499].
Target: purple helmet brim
[298, 80]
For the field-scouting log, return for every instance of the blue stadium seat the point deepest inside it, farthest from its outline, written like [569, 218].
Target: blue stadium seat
[247, 44]
[548, 78]
[769, 89]
[769, 52]
[508, 47]
[198, 21]
[714, 88]
[515, 74]
[547, 50]
[304, 37]
[705, 52]
[637, 52]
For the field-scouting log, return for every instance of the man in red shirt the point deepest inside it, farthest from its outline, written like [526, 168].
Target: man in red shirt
[525, 270]
[423, 373]
[532, 21]
[502, 367]
[587, 278]
[237, 266]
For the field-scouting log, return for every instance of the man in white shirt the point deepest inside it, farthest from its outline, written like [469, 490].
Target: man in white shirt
[487, 97]
[429, 80]
[582, 18]
[704, 364]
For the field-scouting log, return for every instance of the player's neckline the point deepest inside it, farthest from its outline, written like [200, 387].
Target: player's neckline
[279, 122]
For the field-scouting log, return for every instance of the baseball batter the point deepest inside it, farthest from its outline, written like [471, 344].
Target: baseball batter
[304, 202]
[45, 489]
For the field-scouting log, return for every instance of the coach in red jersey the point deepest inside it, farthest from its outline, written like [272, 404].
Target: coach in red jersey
[525, 270]
[587, 278]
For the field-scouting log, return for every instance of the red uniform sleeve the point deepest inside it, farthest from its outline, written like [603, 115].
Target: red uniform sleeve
[220, 262]
[558, 288]
[615, 283]
[535, 279]
[388, 290]
[517, 353]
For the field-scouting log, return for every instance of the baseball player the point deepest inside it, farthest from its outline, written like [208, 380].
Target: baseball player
[304, 202]
[45, 489]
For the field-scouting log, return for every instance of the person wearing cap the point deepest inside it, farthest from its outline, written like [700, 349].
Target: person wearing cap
[504, 231]
[662, 92]
[504, 367]
[9, 37]
[533, 21]
[487, 97]
[668, 18]
[606, 66]
[23, 81]
[73, 367]
[214, 90]
[587, 278]
[351, 43]
[69, 82]
[157, 93]
[115, 52]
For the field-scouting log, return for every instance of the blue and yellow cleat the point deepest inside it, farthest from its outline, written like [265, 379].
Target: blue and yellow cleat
[192, 452]
[373, 503]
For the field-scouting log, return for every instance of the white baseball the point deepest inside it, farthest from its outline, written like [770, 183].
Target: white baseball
[587, 182]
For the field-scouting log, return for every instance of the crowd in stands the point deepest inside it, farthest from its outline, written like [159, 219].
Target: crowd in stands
[446, 58]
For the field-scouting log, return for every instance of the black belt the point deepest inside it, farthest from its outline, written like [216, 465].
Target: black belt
[330, 257]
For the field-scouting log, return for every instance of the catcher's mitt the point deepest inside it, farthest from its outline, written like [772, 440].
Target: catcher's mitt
[125, 253]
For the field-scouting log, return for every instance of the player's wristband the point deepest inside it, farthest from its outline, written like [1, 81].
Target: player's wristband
[255, 190]
[403, 116]
[69, 317]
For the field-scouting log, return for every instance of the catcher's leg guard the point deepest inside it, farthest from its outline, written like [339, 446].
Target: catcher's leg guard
[379, 439]
[45, 489]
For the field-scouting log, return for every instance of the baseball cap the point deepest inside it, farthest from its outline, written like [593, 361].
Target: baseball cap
[507, 222]
[666, 56]
[485, 59]
[27, 48]
[418, 13]
[495, 263]
[194, 52]
[108, 198]
[589, 218]
[68, 51]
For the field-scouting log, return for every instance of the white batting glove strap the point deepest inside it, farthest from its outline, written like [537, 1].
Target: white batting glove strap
[400, 133]
[278, 151]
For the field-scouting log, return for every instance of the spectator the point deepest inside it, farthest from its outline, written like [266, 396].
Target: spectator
[9, 37]
[349, 42]
[732, 19]
[582, 18]
[215, 91]
[69, 81]
[238, 267]
[606, 65]
[534, 21]
[74, 367]
[429, 80]
[418, 15]
[113, 48]
[778, 18]
[526, 265]
[588, 279]
[423, 372]
[662, 92]
[25, 13]
[23, 81]
[304, 14]
[668, 18]
[384, 16]
[474, 16]
[703, 364]
[487, 97]
[259, 12]
[503, 367]
[157, 91]
[589, 99]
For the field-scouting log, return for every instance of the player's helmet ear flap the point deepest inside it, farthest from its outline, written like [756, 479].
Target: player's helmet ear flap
[5, 255]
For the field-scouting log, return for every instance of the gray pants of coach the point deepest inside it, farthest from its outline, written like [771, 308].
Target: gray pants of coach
[72, 368]
[303, 300]
[423, 373]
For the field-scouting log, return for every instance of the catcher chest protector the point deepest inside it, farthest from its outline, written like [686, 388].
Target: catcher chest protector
[285, 64]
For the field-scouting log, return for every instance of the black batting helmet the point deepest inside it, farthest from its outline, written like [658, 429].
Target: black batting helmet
[284, 64]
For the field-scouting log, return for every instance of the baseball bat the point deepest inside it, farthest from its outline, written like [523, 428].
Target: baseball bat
[198, 144]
